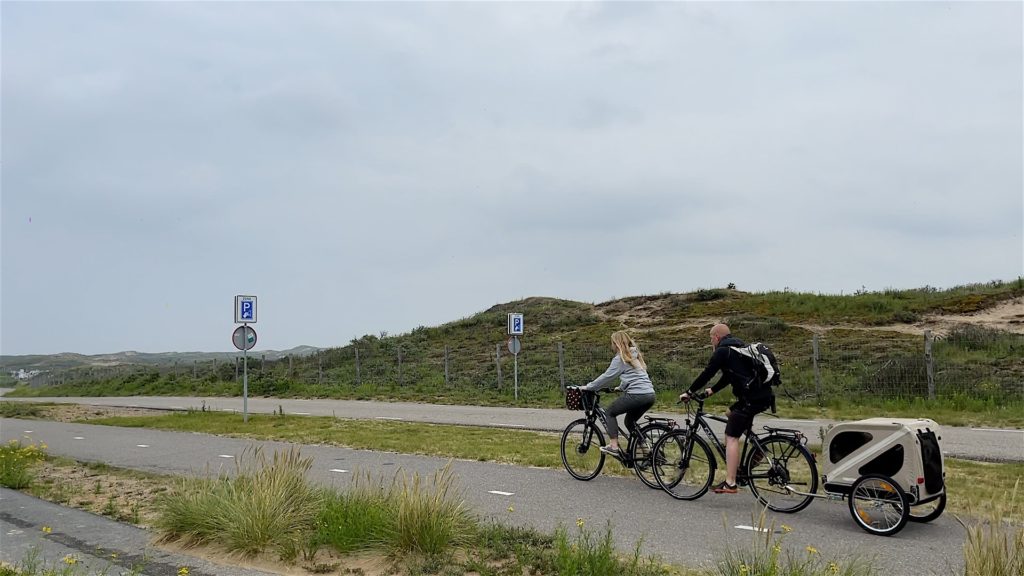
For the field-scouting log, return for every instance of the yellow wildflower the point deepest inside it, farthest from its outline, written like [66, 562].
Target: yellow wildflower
[183, 571]
[812, 550]
[786, 529]
[579, 522]
[833, 567]
[511, 509]
[47, 529]
[70, 560]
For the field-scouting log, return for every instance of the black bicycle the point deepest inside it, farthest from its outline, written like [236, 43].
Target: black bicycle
[582, 441]
[775, 464]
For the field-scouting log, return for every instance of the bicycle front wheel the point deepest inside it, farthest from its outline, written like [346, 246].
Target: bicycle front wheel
[581, 449]
[783, 476]
[683, 465]
[642, 451]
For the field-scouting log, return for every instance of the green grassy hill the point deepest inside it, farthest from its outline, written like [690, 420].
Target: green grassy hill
[869, 347]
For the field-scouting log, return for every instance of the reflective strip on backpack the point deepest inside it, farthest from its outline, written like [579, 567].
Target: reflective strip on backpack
[753, 353]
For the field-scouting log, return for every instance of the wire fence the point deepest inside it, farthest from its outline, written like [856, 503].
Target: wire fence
[975, 363]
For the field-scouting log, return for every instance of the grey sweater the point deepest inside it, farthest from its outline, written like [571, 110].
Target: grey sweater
[633, 380]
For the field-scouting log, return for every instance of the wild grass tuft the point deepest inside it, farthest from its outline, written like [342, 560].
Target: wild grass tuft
[995, 547]
[588, 554]
[268, 504]
[429, 515]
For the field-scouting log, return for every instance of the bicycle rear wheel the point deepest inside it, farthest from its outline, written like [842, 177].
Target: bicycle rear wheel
[643, 448]
[683, 465]
[581, 449]
[784, 463]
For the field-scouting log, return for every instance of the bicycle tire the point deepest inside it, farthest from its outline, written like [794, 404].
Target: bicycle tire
[651, 433]
[684, 465]
[785, 462]
[581, 449]
[879, 505]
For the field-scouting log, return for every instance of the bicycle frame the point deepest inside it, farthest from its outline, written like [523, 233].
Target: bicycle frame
[700, 424]
[593, 411]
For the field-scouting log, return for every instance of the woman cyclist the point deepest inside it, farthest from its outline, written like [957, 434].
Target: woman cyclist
[638, 391]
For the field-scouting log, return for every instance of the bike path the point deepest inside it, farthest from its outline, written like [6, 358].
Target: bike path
[979, 443]
[96, 545]
[685, 533]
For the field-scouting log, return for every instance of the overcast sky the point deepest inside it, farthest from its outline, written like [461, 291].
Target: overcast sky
[368, 167]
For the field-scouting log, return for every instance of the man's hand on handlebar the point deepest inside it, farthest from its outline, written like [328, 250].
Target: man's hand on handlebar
[686, 396]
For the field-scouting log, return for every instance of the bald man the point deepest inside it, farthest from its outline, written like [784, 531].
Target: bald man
[737, 370]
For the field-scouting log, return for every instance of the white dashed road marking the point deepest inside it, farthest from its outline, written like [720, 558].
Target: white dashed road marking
[338, 470]
[143, 445]
[28, 431]
[387, 418]
[753, 529]
[301, 413]
[225, 456]
[79, 438]
[500, 493]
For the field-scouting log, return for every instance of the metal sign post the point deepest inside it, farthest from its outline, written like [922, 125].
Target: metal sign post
[515, 330]
[514, 346]
[244, 338]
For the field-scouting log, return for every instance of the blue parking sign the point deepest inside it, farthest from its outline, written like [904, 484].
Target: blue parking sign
[515, 324]
[245, 309]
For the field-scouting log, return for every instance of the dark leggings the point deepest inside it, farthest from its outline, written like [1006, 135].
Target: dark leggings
[633, 406]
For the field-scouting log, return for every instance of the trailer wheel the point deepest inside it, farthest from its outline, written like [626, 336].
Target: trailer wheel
[879, 505]
[928, 511]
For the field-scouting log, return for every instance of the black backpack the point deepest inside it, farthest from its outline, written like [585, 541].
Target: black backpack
[766, 367]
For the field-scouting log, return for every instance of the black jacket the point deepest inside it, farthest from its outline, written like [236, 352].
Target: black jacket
[736, 369]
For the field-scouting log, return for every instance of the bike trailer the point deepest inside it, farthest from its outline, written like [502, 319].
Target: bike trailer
[906, 450]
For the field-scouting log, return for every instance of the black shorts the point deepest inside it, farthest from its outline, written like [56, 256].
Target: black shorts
[741, 415]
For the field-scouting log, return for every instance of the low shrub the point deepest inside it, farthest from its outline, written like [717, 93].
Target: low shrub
[17, 462]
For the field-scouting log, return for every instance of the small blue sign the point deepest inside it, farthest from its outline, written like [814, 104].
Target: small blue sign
[515, 324]
[245, 309]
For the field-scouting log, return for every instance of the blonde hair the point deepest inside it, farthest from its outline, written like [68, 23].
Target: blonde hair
[623, 344]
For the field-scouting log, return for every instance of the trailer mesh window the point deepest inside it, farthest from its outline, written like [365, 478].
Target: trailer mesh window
[888, 463]
[845, 443]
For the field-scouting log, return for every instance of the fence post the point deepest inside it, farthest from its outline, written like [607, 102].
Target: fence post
[817, 371]
[445, 364]
[291, 373]
[497, 362]
[319, 368]
[359, 379]
[236, 368]
[194, 368]
[400, 366]
[928, 364]
[561, 367]
[263, 362]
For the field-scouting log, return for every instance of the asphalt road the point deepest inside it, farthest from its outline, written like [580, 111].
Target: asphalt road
[986, 444]
[687, 533]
